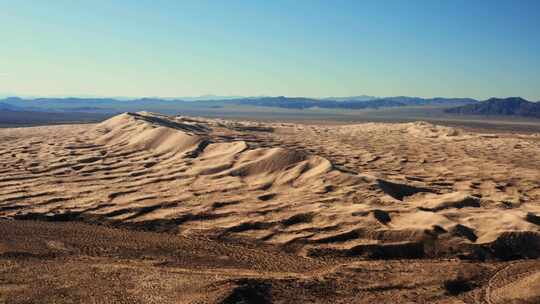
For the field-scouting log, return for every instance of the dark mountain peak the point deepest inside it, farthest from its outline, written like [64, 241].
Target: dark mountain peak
[507, 99]
[500, 106]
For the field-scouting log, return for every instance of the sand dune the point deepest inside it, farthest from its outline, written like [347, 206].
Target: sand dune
[158, 173]
[368, 191]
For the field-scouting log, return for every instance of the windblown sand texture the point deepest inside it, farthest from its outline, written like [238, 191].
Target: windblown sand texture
[313, 193]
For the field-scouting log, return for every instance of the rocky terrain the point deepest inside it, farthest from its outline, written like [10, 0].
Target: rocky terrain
[192, 210]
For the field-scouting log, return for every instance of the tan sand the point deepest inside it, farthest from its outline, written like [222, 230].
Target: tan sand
[160, 173]
[367, 191]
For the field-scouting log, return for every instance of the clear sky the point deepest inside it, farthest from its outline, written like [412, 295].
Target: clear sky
[454, 48]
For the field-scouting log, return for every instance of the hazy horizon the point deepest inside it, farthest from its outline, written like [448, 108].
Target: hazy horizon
[257, 48]
[224, 97]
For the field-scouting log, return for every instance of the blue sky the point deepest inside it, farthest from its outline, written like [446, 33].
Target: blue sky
[457, 48]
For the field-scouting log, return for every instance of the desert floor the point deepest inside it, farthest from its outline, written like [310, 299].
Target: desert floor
[145, 208]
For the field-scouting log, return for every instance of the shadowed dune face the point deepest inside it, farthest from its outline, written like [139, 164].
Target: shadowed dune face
[376, 191]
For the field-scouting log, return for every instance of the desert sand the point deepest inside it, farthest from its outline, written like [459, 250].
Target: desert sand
[146, 208]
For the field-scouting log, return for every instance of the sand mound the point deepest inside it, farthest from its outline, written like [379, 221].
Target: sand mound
[419, 129]
[148, 131]
[425, 129]
[190, 138]
[434, 202]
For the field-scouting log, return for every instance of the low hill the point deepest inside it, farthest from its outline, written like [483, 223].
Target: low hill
[500, 106]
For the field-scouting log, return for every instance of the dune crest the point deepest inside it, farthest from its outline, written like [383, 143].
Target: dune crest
[148, 131]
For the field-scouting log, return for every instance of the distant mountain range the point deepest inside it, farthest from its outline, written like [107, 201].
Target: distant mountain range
[112, 105]
[494, 106]
[500, 106]
[352, 103]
